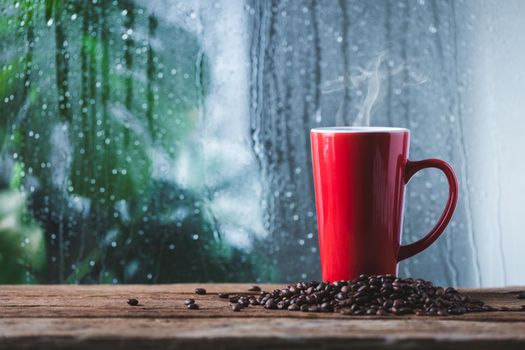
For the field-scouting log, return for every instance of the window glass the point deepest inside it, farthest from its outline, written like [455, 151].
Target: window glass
[168, 141]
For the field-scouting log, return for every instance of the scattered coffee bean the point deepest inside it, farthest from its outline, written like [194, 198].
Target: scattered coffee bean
[254, 289]
[133, 302]
[224, 295]
[236, 307]
[521, 295]
[200, 291]
[189, 301]
[193, 306]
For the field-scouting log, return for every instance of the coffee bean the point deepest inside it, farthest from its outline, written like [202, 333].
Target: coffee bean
[254, 289]
[223, 295]
[200, 291]
[304, 308]
[504, 308]
[326, 307]
[133, 302]
[345, 289]
[293, 307]
[282, 305]
[285, 293]
[270, 304]
[397, 303]
[387, 286]
[362, 300]
[341, 296]
[450, 290]
[189, 301]
[193, 306]
[313, 308]
[363, 288]
[521, 295]
[236, 307]
[233, 298]
[370, 312]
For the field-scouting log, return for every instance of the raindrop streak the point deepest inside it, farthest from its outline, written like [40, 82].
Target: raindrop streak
[464, 156]
[448, 257]
[129, 21]
[152, 26]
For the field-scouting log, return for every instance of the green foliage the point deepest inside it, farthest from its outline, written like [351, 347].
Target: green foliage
[22, 249]
[179, 243]
[96, 102]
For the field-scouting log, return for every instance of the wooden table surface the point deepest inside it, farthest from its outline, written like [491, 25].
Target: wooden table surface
[85, 317]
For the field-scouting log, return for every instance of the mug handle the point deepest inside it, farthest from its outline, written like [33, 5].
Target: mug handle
[411, 168]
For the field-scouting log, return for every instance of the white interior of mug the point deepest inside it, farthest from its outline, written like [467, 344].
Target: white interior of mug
[346, 129]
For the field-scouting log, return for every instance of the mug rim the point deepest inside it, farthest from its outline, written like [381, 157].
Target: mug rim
[358, 129]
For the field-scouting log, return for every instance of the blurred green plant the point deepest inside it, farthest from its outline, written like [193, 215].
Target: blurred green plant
[92, 98]
[22, 248]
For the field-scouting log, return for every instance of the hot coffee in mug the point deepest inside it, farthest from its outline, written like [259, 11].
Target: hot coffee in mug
[360, 174]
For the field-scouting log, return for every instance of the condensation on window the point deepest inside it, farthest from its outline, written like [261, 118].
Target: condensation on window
[161, 141]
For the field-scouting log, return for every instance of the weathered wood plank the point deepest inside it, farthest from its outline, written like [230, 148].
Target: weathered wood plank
[166, 301]
[85, 317]
[257, 333]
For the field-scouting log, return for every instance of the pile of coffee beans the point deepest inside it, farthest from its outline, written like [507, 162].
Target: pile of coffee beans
[365, 295]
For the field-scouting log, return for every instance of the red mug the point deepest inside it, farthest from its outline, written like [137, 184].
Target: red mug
[360, 175]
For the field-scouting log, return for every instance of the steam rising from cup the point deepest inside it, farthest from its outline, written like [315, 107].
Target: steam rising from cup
[368, 79]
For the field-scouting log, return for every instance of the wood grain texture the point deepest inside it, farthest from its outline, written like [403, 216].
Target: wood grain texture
[84, 317]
